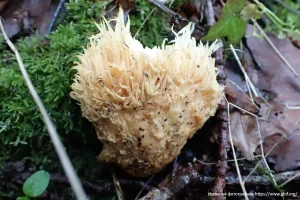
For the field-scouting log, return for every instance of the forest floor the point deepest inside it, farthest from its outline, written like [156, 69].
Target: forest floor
[249, 149]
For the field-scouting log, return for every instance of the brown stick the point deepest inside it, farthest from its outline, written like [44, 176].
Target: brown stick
[185, 178]
[221, 114]
[190, 176]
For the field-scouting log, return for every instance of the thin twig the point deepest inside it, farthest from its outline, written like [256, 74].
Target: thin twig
[269, 152]
[234, 155]
[118, 188]
[209, 13]
[250, 113]
[184, 179]
[247, 79]
[292, 107]
[229, 160]
[60, 150]
[140, 28]
[140, 192]
[165, 9]
[294, 175]
[236, 85]
[55, 16]
[262, 151]
[191, 176]
[265, 180]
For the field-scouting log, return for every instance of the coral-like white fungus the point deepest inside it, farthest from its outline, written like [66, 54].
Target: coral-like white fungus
[145, 103]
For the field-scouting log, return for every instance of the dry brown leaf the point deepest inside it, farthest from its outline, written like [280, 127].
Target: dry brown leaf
[275, 77]
[282, 122]
[42, 23]
[296, 41]
[281, 86]
[127, 5]
[192, 9]
[245, 133]
[286, 153]
[239, 98]
[112, 9]
[3, 4]
[25, 15]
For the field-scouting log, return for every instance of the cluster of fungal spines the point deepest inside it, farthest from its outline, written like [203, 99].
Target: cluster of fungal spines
[145, 103]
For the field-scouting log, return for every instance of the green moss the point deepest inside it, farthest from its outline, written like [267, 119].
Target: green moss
[49, 66]
[156, 28]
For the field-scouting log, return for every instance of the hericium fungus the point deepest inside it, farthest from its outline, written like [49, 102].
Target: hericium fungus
[145, 103]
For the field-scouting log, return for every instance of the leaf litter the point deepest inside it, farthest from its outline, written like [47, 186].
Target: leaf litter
[24, 16]
[277, 127]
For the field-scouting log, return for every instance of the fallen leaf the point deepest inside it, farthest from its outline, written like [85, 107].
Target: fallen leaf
[127, 5]
[274, 77]
[112, 9]
[276, 120]
[3, 4]
[286, 153]
[247, 131]
[245, 134]
[192, 9]
[42, 23]
[26, 15]
[239, 98]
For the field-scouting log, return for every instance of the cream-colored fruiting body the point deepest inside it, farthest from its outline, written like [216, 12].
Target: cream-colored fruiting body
[145, 103]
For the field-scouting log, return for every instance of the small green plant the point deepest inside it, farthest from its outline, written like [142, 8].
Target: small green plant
[283, 22]
[230, 24]
[235, 16]
[35, 185]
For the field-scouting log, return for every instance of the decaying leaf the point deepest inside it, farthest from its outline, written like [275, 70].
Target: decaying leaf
[26, 15]
[276, 119]
[275, 77]
[245, 133]
[193, 10]
[286, 153]
[3, 4]
[112, 9]
[239, 98]
[127, 5]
